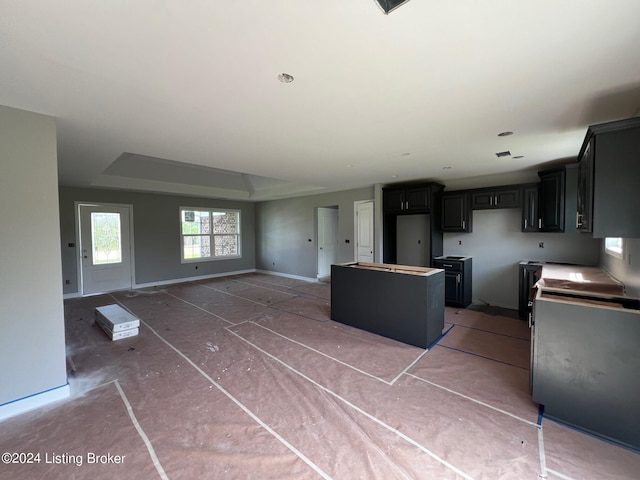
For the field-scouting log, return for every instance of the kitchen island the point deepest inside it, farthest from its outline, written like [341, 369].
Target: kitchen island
[396, 301]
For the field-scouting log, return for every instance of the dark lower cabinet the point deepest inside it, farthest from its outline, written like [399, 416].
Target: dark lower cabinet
[527, 270]
[457, 279]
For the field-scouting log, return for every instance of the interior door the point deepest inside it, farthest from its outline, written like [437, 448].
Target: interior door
[364, 231]
[327, 240]
[105, 248]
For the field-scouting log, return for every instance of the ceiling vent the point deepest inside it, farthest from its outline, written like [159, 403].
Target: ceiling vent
[506, 153]
[390, 5]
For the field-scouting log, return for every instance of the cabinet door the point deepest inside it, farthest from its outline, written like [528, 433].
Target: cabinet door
[530, 215]
[393, 200]
[417, 199]
[507, 198]
[551, 201]
[528, 278]
[452, 288]
[455, 213]
[482, 200]
[585, 190]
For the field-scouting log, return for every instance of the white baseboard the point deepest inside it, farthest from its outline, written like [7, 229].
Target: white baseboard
[173, 281]
[36, 400]
[192, 279]
[288, 275]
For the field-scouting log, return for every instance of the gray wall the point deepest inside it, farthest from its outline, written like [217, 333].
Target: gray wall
[287, 231]
[497, 245]
[156, 231]
[626, 269]
[32, 345]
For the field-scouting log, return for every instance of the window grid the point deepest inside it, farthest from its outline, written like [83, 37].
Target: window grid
[209, 234]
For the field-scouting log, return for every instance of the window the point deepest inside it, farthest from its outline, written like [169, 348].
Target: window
[209, 234]
[106, 238]
[614, 246]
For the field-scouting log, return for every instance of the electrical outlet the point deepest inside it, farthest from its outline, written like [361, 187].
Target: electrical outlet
[541, 245]
[459, 242]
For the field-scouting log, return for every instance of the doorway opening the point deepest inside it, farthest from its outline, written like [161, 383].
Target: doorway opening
[327, 243]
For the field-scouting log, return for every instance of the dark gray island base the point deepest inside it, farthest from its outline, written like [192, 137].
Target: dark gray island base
[396, 301]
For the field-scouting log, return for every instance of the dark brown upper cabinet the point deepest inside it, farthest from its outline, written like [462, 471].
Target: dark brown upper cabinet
[456, 212]
[544, 203]
[608, 179]
[407, 200]
[498, 197]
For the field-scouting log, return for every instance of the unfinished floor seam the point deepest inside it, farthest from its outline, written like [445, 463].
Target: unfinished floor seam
[143, 435]
[475, 400]
[199, 308]
[317, 351]
[491, 332]
[543, 462]
[363, 412]
[237, 296]
[243, 407]
[403, 372]
[559, 475]
[482, 356]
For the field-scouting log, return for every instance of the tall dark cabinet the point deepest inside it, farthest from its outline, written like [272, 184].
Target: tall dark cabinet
[608, 179]
[544, 203]
[411, 199]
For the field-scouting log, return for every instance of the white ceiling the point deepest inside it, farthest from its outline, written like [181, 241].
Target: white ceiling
[140, 87]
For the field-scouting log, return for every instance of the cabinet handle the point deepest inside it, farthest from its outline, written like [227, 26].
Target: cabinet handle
[578, 218]
[525, 223]
[495, 202]
[491, 201]
[458, 279]
[447, 265]
[463, 224]
[539, 223]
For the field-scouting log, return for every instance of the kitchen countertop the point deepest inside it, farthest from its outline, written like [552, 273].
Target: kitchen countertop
[579, 278]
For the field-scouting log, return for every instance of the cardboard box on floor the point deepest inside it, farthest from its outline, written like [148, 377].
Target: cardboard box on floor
[116, 322]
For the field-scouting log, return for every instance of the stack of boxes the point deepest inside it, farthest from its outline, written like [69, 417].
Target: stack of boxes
[116, 322]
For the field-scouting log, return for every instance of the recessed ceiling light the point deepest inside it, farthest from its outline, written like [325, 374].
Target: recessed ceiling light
[394, 176]
[285, 78]
[506, 153]
[446, 168]
[505, 134]
[519, 156]
[406, 154]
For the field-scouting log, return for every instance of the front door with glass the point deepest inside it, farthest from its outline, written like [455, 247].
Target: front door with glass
[105, 248]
